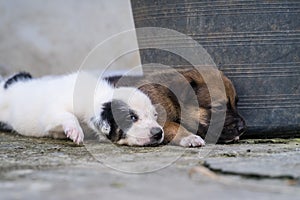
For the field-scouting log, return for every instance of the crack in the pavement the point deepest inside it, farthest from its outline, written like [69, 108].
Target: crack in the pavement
[250, 175]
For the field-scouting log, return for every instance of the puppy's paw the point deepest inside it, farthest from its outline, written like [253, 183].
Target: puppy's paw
[192, 141]
[74, 134]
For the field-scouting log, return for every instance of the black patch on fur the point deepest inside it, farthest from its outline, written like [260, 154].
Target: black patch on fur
[22, 76]
[113, 80]
[120, 118]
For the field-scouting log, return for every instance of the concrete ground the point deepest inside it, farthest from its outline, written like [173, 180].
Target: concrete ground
[42, 168]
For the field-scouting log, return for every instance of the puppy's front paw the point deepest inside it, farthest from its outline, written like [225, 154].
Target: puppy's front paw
[192, 141]
[74, 134]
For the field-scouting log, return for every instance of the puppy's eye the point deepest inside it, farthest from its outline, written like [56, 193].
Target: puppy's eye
[133, 117]
[155, 115]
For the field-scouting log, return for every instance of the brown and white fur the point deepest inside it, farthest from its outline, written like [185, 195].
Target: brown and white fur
[186, 128]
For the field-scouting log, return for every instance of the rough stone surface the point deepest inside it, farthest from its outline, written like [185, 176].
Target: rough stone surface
[35, 168]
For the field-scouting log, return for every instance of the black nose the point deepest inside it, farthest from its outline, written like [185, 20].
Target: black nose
[157, 133]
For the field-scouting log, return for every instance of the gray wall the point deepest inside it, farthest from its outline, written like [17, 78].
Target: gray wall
[54, 36]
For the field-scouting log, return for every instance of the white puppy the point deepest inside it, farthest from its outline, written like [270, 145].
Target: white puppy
[56, 105]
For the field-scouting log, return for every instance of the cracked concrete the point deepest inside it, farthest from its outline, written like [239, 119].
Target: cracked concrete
[261, 158]
[35, 168]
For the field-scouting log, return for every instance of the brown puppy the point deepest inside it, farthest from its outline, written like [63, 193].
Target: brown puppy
[185, 104]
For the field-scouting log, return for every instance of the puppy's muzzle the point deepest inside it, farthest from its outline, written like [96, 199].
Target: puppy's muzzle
[241, 126]
[156, 133]
[233, 130]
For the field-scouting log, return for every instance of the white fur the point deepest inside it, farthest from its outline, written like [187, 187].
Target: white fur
[56, 105]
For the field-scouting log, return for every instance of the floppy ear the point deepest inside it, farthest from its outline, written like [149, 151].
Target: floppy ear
[194, 77]
[181, 88]
[188, 84]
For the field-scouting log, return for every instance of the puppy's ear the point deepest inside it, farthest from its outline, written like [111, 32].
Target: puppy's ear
[188, 84]
[194, 77]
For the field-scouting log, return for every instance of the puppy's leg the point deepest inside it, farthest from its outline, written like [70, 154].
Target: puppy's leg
[178, 135]
[70, 125]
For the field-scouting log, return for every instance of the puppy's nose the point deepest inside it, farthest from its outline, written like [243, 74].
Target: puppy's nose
[156, 132]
